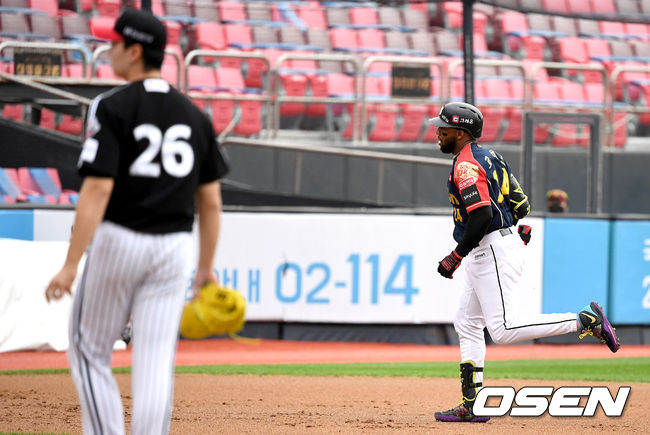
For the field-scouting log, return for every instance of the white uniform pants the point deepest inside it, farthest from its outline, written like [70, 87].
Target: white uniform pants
[142, 276]
[491, 297]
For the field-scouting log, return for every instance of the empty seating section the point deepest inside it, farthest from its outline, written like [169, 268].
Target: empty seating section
[226, 86]
[35, 185]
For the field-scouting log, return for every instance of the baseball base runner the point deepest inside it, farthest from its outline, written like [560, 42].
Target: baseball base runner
[487, 204]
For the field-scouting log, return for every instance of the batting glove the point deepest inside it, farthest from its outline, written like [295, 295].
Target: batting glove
[525, 233]
[449, 264]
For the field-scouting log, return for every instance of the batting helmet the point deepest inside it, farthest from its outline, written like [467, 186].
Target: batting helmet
[461, 116]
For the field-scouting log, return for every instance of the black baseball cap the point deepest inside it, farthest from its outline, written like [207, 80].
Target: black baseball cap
[138, 26]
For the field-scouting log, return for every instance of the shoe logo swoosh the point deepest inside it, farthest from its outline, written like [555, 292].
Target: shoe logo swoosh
[592, 318]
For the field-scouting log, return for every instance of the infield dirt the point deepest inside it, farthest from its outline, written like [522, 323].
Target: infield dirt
[240, 404]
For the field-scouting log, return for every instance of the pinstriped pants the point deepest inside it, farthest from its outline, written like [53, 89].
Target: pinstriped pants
[142, 276]
[492, 297]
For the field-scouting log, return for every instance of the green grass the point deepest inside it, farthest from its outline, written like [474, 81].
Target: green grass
[613, 370]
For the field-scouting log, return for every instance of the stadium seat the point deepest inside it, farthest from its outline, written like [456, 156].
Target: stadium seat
[70, 125]
[559, 6]
[628, 7]
[230, 79]
[49, 6]
[337, 16]
[222, 112]
[238, 35]
[231, 11]
[293, 85]
[251, 118]
[206, 10]
[397, 40]
[174, 31]
[9, 183]
[389, 16]
[14, 25]
[179, 9]
[605, 7]
[413, 117]
[312, 16]
[318, 88]
[382, 122]
[584, 7]
[363, 16]
[571, 93]
[415, 19]
[291, 35]
[46, 118]
[208, 36]
[423, 41]
[258, 11]
[45, 25]
[612, 28]
[343, 38]
[201, 78]
[564, 25]
[13, 111]
[109, 8]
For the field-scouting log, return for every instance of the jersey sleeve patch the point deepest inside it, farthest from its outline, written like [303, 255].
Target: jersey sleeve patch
[466, 174]
[470, 195]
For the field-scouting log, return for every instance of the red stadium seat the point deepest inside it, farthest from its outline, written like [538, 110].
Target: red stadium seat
[13, 111]
[383, 119]
[319, 88]
[611, 28]
[580, 6]
[231, 11]
[343, 38]
[238, 34]
[49, 6]
[47, 119]
[559, 6]
[230, 78]
[413, 118]
[201, 78]
[363, 16]
[251, 118]
[568, 134]
[209, 36]
[70, 124]
[109, 8]
[370, 38]
[293, 85]
[222, 113]
[174, 30]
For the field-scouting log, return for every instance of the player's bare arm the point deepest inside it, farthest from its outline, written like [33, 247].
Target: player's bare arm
[93, 198]
[208, 205]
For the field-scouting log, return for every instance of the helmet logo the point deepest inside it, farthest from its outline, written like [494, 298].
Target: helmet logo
[455, 119]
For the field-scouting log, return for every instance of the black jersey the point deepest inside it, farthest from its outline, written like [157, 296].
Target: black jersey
[158, 147]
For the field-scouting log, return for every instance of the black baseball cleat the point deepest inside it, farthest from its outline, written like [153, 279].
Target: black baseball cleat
[593, 322]
[461, 413]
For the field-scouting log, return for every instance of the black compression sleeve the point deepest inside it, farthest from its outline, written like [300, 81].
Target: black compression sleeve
[477, 224]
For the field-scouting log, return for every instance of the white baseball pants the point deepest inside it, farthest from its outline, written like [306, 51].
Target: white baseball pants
[492, 292]
[142, 276]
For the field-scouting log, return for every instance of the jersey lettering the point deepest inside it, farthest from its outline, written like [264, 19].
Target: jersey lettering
[177, 155]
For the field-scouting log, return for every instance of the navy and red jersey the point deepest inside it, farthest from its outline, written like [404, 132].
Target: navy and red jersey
[480, 177]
